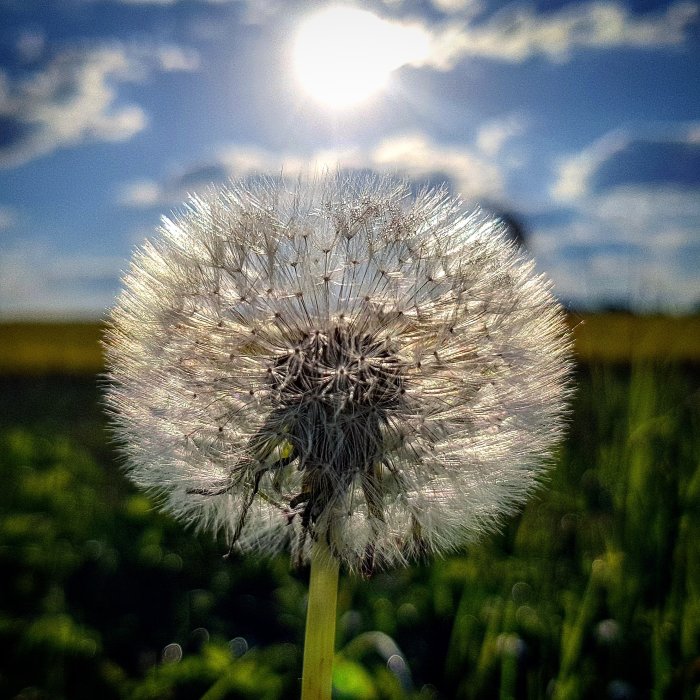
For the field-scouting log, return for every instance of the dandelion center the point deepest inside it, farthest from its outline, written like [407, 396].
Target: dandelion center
[336, 393]
[344, 371]
[340, 387]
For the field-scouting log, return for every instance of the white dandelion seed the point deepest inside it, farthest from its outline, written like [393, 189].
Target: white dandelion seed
[337, 361]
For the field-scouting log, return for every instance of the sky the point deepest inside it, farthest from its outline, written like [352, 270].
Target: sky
[579, 120]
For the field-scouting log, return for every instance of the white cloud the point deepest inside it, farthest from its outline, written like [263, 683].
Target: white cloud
[655, 214]
[462, 7]
[637, 244]
[176, 58]
[73, 99]
[493, 135]
[8, 218]
[418, 157]
[140, 193]
[575, 172]
[662, 217]
[514, 33]
[254, 11]
[519, 32]
[38, 281]
[414, 155]
[642, 282]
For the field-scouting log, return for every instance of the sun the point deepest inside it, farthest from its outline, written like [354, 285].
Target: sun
[343, 55]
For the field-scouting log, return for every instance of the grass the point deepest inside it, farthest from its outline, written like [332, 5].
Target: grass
[592, 592]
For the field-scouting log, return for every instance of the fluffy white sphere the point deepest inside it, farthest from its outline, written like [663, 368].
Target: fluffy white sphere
[337, 360]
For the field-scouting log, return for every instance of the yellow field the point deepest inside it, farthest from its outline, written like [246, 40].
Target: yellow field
[621, 337]
[41, 348]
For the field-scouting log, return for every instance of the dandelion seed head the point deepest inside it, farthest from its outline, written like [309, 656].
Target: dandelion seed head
[336, 360]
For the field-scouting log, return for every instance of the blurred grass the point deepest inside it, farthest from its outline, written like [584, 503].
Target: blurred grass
[592, 592]
[74, 348]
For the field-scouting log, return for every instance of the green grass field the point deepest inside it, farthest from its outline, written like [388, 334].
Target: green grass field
[592, 592]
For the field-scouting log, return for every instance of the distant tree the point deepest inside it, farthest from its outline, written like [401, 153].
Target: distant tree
[514, 228]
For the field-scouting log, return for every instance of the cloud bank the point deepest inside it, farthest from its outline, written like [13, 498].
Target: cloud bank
[413, 155]
[73, 99]
[37, 280]
[633, 236]
[518, 32]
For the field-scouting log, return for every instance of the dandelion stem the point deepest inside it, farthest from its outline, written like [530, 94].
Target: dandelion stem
[319, 641]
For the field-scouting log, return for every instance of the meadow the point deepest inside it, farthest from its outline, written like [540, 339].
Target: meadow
[592, 592]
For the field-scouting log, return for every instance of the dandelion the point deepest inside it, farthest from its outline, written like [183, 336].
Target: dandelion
[337, 369]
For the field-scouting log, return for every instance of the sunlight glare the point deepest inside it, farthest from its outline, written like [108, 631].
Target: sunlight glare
[343, 55]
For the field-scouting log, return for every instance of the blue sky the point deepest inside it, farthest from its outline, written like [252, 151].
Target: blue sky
[581, 119]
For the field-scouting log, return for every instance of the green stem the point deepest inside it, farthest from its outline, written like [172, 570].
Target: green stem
[319, 642]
